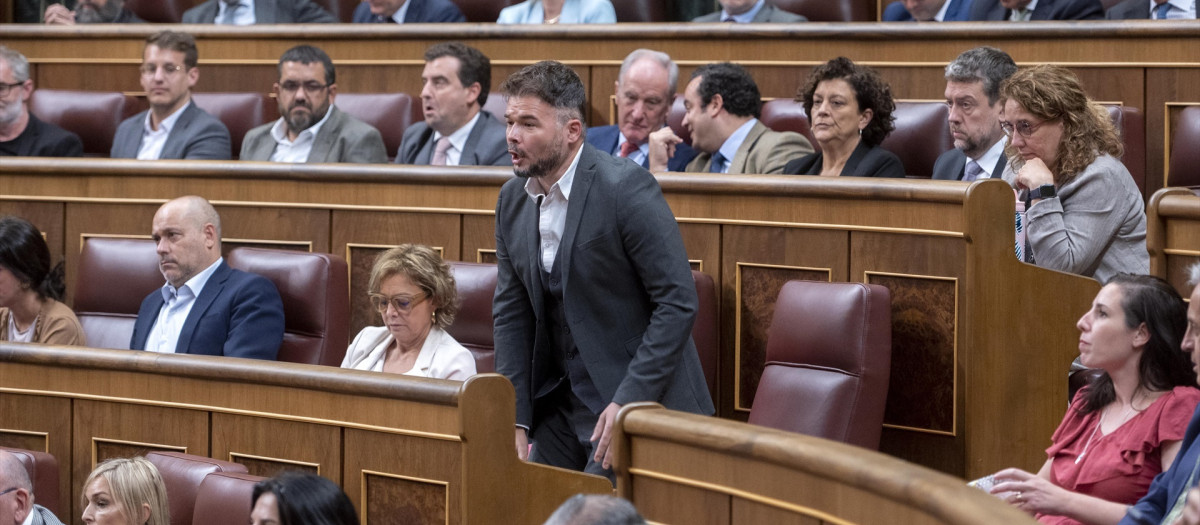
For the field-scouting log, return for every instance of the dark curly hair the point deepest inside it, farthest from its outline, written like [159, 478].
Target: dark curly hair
[739, 93]
[870, 90]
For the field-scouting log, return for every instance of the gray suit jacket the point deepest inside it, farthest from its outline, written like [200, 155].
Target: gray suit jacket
[951, 165]
[764, 152]
[486, 144]
[196, 135]
[342, 138]
[630, 299]
[768, 14]
[42, 516]
[266, 12]
[1129, 10]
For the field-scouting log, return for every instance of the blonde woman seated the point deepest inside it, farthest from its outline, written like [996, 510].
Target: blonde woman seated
[125, 491]
[413, 290]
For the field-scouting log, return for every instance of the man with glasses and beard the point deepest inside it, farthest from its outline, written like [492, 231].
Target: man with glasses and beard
[594, 299]
[311, 128]
[973, 96]
[21, 133]
[91, 12]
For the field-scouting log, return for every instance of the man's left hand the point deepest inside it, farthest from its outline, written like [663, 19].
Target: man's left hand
[603, 432]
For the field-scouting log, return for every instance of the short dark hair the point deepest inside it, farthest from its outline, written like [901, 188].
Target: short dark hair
[305, 54]
[308, 499]
[982, 64]
[595, 509]
[739, 93]
[870, 91]
[553, 83]
[176, 41]
[23, 252]
[473, 65]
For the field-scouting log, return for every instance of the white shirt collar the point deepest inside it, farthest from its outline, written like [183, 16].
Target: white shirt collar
[748, 16]
[29, 517]
[279, 130]
[533, 187]
[399, 15]
[243, 17]
[988, 160]
[732, 144]
[941, 14]
[1032, 5]
[167, 123]
[458, 139]
[196, 283]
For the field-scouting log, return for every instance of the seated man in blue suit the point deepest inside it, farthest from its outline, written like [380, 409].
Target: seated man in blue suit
[645, 92]
[205, 307]
[927, 11]
[407, 12]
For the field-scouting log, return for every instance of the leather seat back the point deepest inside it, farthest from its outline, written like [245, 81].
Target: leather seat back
[113, 278]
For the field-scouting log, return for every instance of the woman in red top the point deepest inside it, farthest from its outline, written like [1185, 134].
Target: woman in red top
[1125, 427]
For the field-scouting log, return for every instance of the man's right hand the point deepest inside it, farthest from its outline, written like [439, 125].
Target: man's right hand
[662, 148]
[522, 444]
[58, 15]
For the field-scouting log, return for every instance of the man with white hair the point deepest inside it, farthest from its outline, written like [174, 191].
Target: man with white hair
[16, 496]
[21, 133]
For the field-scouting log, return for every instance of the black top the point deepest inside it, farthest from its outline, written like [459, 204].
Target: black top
[41, 139]
[865, 161]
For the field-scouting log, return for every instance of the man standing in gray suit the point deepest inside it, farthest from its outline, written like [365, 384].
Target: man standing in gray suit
[594, 299]
[973, 95]
[750, 11]
[250, 12]
[311, 129]
[19, 508]
[173, 127]
[456, 130]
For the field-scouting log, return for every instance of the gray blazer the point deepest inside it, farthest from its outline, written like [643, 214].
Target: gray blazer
[486, 144]
[952, 165]
[43, 516]
[196, 135]
[1129, 10]
[266, 12]
[342, 138]
[1095, 227]
[768, 14]
[630, 296]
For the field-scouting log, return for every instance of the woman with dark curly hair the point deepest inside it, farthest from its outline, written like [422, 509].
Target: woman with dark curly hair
[30, 289]
[849, 108]
[1084, 214]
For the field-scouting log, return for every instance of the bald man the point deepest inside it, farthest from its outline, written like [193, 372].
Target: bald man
[16, 496]
[205, 307]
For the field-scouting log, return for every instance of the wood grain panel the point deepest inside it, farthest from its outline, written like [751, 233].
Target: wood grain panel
[663, 502]
[478, 237]
[373, 456]
[396, 499]
[703, 244]
[747, 511]
[274, 223]
[40, 423]
[267, 446]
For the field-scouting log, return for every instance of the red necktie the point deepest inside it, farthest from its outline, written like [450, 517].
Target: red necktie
[627, 148]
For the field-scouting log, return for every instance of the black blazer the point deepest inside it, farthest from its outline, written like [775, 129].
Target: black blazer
[866, 161]
[951, 165]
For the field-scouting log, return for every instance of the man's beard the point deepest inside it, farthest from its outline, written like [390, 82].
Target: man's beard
[10, 112]
[543, 167]
[86, 14]
[300, 122]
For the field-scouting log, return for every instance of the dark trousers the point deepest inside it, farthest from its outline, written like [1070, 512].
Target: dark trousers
[563, 425]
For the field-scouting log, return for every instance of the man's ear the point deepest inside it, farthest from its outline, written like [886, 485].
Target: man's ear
[716, 104]
[210, 235]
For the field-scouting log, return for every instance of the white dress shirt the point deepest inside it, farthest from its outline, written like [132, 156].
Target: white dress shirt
[1180, 9]
[744, 18]
[153, 140]
[398, 16]
[458, 139]
[177, 304]
[1015, 16]
[244, 16]
[552, 214]
[287, 150]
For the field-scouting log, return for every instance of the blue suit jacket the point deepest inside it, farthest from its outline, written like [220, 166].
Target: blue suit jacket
[237, 314]
[958, 11]
[419, 12]
[605, 138]
[1046, 10]
[1168, 485]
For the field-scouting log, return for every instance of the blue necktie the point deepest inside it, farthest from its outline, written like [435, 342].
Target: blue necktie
[1160, 12]
[718, 163]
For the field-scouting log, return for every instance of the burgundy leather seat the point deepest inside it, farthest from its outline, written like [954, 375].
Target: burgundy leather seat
[43, 475]
[390, 113]
[1131, 126]
[922, 134]
[316, 301]
[93, 115]
[484, 11]
[472, 328]
[704, 331]
[1184, 165]
[343, 10]
[114, 276]
[224, 497]
[784, 114]
[675, 120]
[829, 10]
[160, 11]
[828, 362]
[183, 474]
[496, 104]
[240, 112]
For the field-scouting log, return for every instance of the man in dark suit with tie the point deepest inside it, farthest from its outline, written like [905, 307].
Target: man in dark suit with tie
[1029, 10]
[594, 299]
[407, 12]
[927, 11]
[250, 12]
[1153, 9]
[973, 95]
[456, 131]
[645, 93]
[205, 307]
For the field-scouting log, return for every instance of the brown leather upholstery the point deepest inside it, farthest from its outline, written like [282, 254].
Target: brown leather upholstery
[43, 474]
[93, 115]
[182, 474]
[704, 331]
[224, 497]
[1131, 126]
[240, 112]
[642, 10]
[315, 290]
[114, 276]
[343, 10]
[472, 328]
[829, 10]
[828, 361]
[1184, 165]
[485, 11]
[787, 115]
[675, 120]
[390, 113]
[922, 134]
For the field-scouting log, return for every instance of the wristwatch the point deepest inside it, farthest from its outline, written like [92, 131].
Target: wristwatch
[1045, 191]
